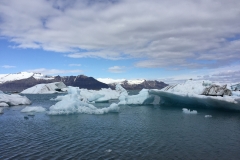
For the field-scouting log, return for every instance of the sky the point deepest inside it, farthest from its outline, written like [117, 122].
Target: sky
[167, 40]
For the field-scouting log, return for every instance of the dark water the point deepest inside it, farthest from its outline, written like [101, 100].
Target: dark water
[136, 132]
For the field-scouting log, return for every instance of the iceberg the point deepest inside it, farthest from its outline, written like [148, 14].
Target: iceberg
[192, 92]
[103, 95]
[74, 103]
[49, 88]
[13, 100]
[100, 96]
[143, 97]
[33, 109]
[3, 104]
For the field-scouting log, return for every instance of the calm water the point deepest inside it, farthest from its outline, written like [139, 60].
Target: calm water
[136, 132]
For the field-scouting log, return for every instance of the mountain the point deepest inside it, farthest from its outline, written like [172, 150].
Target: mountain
[23, 80]
[137, 84]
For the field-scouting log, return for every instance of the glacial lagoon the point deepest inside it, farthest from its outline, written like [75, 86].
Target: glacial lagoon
[136, 132]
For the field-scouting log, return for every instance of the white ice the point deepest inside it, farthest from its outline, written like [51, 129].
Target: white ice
[187, 111]
[142, 97]
[190, 93]
[103, 95]
[13, 100]
[45, 88]
[33, 109]
[71, 103]
[3, 104]
[208, 116]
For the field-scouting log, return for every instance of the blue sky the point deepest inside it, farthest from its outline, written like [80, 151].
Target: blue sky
[155, 39]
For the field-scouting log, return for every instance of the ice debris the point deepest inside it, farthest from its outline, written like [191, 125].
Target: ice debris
[33, 109]
[187, 111]
[208, 116]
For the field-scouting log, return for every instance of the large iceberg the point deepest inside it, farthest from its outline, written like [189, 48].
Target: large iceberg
[49, 88]
[12, 100]
[143, 97]
[203, 93]
[73, 103]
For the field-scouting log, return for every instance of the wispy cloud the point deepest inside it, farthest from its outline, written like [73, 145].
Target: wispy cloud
[74, 65]
[158, 33]
[8, 66]
[116, 69]
[54, 71]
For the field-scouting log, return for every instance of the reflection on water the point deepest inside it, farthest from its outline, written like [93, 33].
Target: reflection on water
[136, 132]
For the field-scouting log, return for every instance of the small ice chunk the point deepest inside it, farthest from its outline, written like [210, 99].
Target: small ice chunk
[208, 116]
[33, 109]
[187, 111]
[108, 150]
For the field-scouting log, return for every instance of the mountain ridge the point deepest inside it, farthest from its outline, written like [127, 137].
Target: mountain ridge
[23, 80]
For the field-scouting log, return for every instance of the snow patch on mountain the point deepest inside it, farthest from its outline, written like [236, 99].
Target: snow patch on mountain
[22, 75]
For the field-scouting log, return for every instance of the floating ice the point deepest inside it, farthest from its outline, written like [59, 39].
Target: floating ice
[208, 116]
[190, 93]
[71, 103]
[3, 104]
[33, 109]
[103, 95]
[13, 100]
[187, 111]
[108, 150]
[142, 98]
[49, 88]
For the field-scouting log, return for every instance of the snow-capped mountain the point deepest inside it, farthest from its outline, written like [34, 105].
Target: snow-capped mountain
[136, 84]
[22, 75]
[23, 80]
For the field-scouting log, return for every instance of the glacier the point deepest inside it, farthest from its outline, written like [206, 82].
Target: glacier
[191, 92]
[49, 88]
[74, 103]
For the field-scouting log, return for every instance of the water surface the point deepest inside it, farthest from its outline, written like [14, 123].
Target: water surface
[136, 132]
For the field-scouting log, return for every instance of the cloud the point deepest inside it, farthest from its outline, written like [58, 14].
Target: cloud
[116, 69]
[156, 33]
[8, 66]
[53, 71]
[74, 65]
[226, 74]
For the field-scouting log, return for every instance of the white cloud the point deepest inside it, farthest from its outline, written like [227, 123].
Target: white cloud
[226, 74]
[74, 65]
[161, 33]
[116, 69]
[8, 66]
[53, 71]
